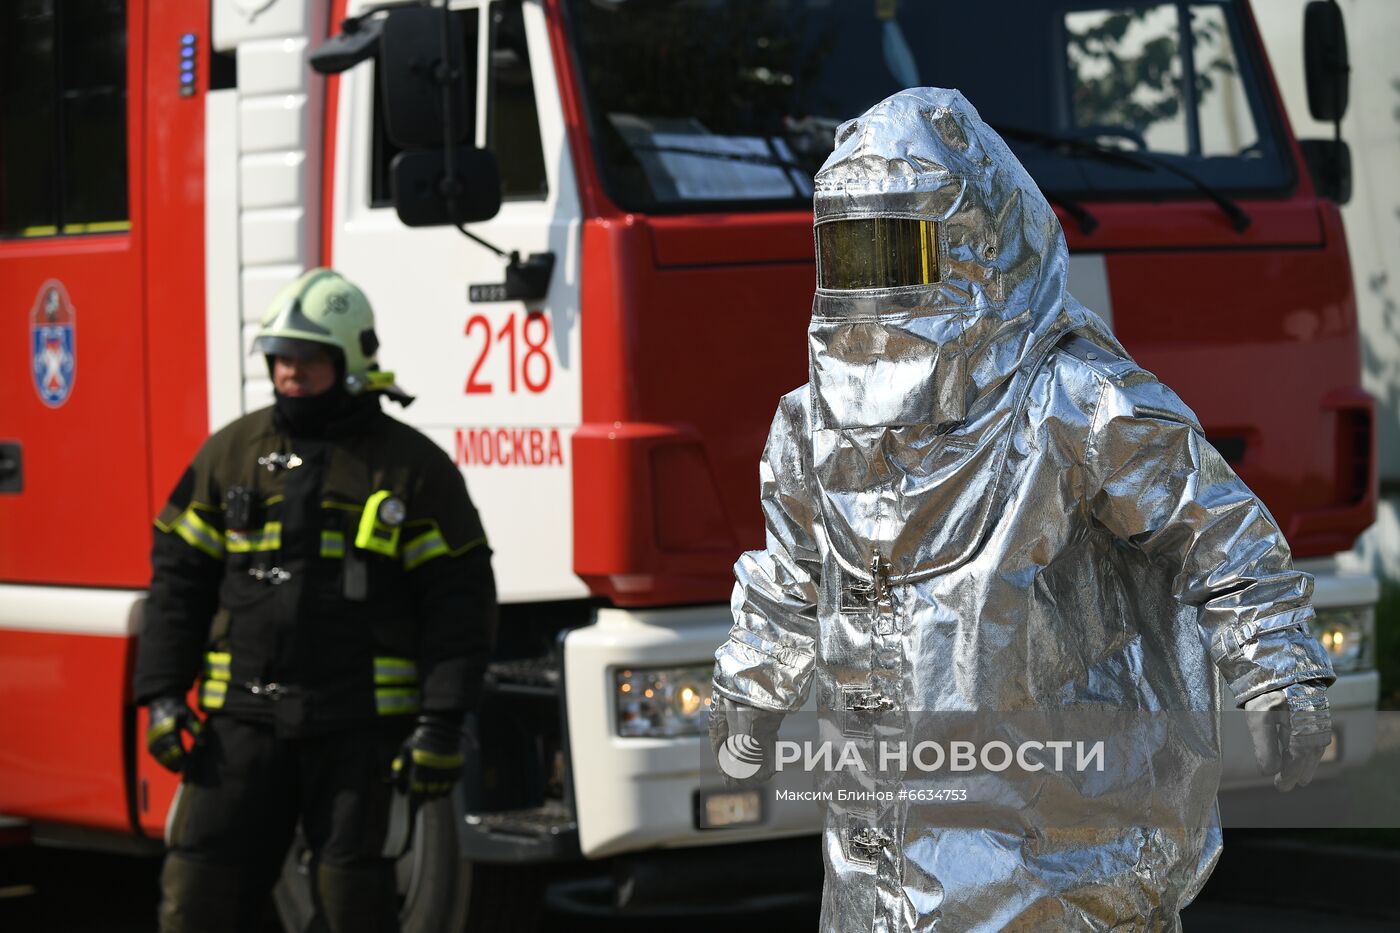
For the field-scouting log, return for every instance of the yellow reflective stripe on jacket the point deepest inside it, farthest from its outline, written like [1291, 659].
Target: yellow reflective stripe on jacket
[395, 671]
[432, 544]
[212, 693]
[374, 535]
[424, 548]
[198, 533]
[332, 544]
[217, 665]
[268, 538]
[391, 701]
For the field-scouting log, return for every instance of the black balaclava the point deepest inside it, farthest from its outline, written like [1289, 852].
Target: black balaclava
[327, 414]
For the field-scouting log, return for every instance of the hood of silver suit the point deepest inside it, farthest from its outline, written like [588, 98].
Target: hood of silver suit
[919, 386]
[925, 355]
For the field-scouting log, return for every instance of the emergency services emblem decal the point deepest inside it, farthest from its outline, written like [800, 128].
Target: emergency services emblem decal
[52, 328]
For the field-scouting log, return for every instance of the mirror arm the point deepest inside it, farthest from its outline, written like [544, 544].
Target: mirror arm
[528, 279]
[513, 257]
[1344, 74]
[451, 188]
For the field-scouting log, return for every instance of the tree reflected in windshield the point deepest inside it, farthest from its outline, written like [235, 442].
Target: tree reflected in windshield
[725, 104]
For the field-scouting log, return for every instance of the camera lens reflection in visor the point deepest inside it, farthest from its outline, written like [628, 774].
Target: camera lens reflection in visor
[877, 252]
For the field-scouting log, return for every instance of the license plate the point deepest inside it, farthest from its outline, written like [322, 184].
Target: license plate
[718, 809]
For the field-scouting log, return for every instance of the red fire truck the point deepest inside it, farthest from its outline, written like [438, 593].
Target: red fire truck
[602, 355]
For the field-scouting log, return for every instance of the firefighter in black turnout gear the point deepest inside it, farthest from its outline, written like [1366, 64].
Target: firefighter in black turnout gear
[322, 570]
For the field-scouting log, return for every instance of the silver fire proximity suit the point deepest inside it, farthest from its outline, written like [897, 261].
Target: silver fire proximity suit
[979, 502]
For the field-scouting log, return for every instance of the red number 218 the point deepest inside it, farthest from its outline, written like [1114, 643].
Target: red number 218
[534, 368]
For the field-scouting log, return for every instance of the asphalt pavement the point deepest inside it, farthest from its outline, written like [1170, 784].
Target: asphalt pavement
[46, 890]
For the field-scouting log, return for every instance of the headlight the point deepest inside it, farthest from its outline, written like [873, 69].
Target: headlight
[1349, 637]
[663, 701]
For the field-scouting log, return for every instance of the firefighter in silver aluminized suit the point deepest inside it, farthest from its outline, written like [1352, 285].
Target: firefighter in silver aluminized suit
[980, 502]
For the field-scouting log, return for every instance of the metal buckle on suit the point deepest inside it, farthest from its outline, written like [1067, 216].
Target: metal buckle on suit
[272, 575]
[865, 843]
[877, 591]
[870, 701]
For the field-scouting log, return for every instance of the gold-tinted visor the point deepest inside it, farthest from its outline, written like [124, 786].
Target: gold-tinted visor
[876, 252]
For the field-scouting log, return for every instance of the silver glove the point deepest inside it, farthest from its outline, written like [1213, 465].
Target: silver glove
[1290, 728]
[729, 718]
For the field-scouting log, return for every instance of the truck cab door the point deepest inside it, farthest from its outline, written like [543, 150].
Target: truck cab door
[73, 423]
[496, 381]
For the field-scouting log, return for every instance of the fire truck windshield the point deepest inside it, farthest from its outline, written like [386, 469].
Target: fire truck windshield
[733, 104]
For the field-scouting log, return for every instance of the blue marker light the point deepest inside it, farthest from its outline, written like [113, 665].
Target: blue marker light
[187, 56]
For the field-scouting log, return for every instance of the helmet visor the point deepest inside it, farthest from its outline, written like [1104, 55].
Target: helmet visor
[294, 348]
[876, 252]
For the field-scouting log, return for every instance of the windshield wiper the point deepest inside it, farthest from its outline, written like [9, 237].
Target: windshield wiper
[1088, 223]
[1073, 144]
[1239, 220]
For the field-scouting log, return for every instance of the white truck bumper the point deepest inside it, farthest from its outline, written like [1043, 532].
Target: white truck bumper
[638, 793]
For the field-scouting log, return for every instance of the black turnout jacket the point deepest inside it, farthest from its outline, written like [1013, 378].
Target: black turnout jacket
[320, 582]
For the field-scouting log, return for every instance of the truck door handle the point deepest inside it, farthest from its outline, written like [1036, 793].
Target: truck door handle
[526, 280]
[11, 467]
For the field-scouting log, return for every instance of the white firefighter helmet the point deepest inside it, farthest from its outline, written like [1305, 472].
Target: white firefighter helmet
[323, 307]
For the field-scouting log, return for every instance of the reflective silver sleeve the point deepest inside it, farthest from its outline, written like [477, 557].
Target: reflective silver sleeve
[769, 656]
[1155, 481]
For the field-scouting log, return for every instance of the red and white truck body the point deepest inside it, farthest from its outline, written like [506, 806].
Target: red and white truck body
[609, 432]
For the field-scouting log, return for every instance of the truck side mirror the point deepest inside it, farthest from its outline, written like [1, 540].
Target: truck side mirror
[425, 196]
[424, 79]
[1326, 65]
[1329, 164]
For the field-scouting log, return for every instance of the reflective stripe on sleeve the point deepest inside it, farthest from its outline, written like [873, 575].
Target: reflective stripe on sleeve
[212, 693]
[199, 534]
[424, 548]
[217, 665]
[268, 538]
[332, 544]
[395, 671]
[391, 701]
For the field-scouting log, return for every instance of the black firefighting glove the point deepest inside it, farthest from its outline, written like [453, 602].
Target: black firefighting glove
[744, 740]
[169, 717]
[430, 761]
[1290, 729]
